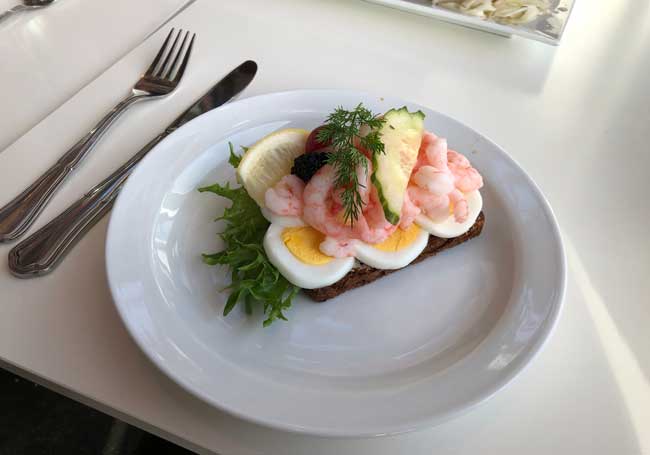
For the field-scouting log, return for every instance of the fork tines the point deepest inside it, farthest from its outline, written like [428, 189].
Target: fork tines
[165, 69]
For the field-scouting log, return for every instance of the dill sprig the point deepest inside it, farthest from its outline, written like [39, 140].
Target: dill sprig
[347, 132]
[254, 280]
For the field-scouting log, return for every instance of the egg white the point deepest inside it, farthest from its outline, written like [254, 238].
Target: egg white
[450, 228]
[391, 260]
[297, 272]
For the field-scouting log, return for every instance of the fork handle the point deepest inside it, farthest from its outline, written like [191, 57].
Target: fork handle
[19, 214]
[42, 251]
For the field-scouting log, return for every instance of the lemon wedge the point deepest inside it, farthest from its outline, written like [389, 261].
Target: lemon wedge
[270, 159]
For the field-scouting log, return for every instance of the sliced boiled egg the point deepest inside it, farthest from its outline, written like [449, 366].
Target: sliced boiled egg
[294, 247]
[397, 251]
[294, 251]
[450, 227]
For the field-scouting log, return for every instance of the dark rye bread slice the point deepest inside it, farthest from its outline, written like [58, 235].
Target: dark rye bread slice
[365, 274]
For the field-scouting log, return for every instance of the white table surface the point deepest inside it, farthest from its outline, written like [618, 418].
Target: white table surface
[577, 118]
[50, 53]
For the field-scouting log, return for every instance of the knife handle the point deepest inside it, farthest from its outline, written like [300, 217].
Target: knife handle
[42, 251]
[12, 11]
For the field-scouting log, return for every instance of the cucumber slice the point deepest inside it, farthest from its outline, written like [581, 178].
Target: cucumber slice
[401, 135]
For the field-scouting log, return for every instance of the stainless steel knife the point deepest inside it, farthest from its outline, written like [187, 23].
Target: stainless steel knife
[41, 252]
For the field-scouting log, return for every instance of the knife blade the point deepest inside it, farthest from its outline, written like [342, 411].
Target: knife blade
[41, 252]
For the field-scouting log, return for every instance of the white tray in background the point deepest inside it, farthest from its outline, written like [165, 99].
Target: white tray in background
[547, 29]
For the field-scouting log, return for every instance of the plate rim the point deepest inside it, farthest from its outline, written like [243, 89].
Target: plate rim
[546, 328]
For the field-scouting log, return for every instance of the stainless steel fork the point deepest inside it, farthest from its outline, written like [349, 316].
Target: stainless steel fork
[162, 77]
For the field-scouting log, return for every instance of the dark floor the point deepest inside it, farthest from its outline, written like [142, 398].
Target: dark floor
[35, 420]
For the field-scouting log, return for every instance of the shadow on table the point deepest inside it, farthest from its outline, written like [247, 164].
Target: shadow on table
[35, 420]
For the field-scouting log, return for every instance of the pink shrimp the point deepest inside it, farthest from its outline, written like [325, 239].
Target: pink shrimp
[427, 140]
[436, 152]
[432, 172]
[440, 178]
[432, 183]
[363, 177]
[433, 152]
[434, 206]
[319, 207]
[285, 198]
[337, 248]
[466, 178]
[461, 209]
[433, 180]
[373, 227]
[457, 159]
[322, 210]
[409, 212]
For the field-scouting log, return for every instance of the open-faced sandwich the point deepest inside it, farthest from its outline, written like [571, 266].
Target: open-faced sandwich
[328, 211]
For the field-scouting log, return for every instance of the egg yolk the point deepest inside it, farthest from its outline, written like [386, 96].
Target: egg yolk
[304, 242]
[399, 239]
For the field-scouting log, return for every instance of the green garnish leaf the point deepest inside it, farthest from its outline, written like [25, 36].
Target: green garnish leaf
[232, 301]
[343, 130]
[233, 159]
[254, 280]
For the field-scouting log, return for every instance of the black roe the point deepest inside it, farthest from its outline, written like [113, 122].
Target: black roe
[306, 165]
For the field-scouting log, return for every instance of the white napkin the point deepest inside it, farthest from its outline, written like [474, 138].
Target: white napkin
[48, 55]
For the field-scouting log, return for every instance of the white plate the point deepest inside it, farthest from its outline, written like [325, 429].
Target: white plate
[405, 352]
